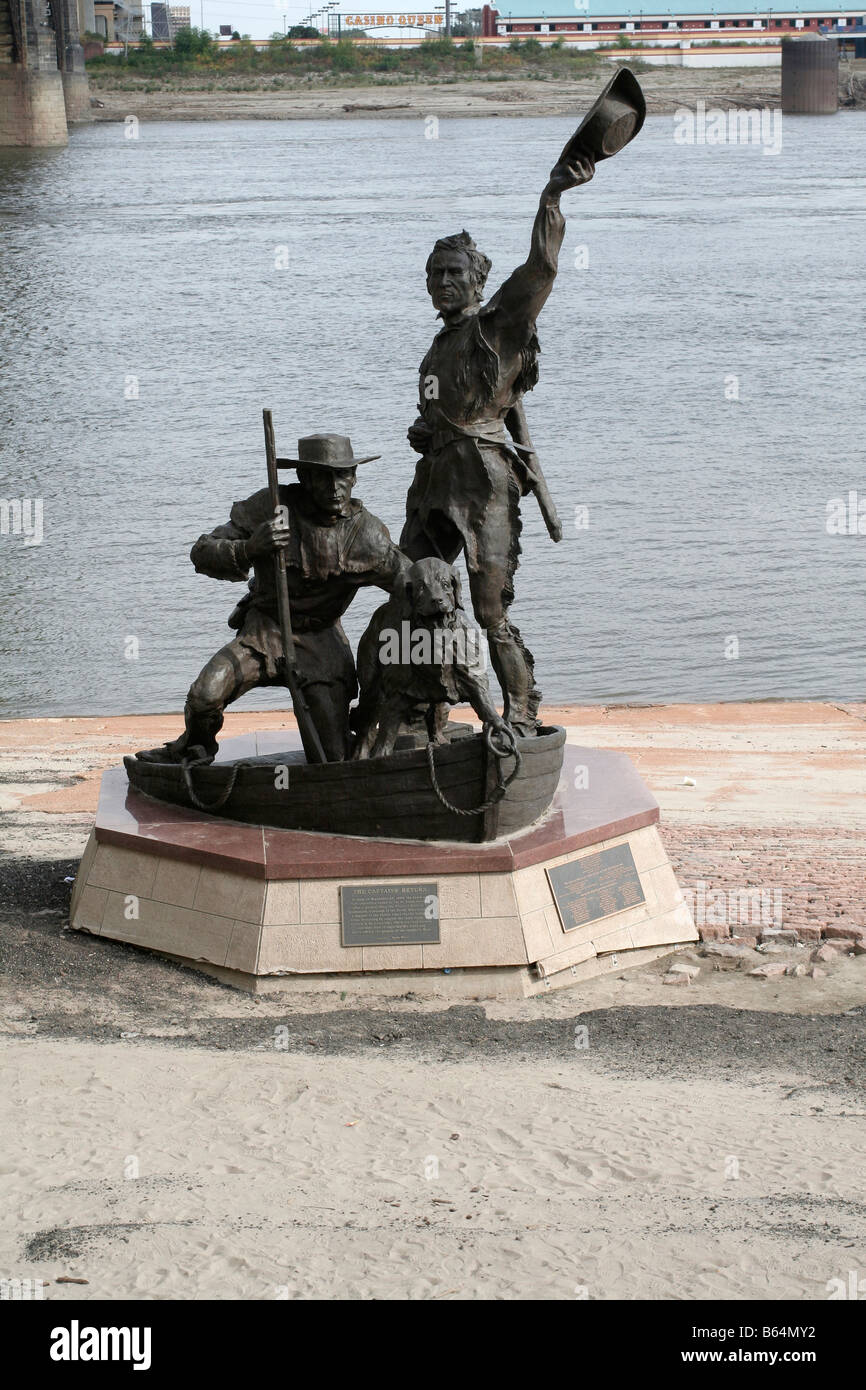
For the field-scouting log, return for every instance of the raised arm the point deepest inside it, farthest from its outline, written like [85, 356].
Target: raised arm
[524, 293]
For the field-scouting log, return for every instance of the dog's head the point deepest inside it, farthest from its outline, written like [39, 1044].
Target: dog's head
[432, 590]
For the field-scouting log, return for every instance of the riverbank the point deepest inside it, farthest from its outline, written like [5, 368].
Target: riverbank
[251, 97]
[178, 1139]
[522, 91]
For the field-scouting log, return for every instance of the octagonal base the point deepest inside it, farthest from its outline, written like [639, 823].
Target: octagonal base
[261, 908]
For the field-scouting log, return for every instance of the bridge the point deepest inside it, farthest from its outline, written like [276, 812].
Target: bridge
[43, 84]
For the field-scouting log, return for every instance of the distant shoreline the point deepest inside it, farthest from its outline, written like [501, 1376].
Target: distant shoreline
[187, 99]
[744, 709]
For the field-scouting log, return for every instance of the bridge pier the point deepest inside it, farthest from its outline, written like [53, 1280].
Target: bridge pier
[43, 82]
[32, 108]
[76, 96]
[70, 60]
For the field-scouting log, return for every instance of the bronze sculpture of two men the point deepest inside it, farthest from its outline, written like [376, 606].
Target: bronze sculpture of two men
[476, 463]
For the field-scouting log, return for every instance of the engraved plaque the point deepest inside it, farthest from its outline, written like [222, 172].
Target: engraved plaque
[389, 914]
[596, 886]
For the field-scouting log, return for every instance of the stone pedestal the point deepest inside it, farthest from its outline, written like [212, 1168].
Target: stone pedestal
[260, 908]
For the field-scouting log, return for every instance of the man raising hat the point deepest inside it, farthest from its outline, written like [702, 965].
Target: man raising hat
[477, 460]
[333, 547]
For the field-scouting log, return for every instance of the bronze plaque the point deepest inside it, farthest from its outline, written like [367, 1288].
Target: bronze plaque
[389, 914]
[598, 885]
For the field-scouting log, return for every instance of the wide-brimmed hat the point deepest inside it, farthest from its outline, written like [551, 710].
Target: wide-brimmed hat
[325, 451]
[614, 119]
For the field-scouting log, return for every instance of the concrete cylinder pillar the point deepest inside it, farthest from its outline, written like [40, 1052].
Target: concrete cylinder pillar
[76, 96]
[70, 56]
[810, 77]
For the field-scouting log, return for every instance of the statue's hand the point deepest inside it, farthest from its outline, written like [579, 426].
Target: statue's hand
[565, 176]
[419, 435]
[269, 536]
[502, 736]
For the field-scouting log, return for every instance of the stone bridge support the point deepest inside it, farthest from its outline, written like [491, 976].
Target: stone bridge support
[43, 83]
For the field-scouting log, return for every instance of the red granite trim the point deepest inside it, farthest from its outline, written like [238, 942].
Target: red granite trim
[525, 855]
[297, 854]
[134, 821]
[617, 803]
[170, 849]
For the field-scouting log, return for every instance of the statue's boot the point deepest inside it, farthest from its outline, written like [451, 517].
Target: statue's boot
[515, 670]
[196, 743]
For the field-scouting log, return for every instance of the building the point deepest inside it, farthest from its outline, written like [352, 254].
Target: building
[118, 23]
[103, 19]
[609, 19]
[160, 31]
[86, 17]
[166, 20]
[179, 18]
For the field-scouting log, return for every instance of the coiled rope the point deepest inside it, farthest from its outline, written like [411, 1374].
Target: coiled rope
[507, 748]
[222, 798]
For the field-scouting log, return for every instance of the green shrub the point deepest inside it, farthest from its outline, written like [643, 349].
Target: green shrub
[193, 43]
[344, 57]
[440, 47]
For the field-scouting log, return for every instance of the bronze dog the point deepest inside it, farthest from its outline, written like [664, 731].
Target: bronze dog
[417, 657]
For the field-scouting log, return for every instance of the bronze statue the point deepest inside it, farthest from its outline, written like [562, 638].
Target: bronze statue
[311, 546]
[333, 546]
[417, 657]
[471, 475]
[477, 459]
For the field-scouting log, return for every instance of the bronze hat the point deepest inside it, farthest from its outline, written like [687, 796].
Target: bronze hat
[615, 118]
[325, 451]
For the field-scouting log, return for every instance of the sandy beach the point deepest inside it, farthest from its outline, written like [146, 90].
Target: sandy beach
[163, 1172]
[174, 1138]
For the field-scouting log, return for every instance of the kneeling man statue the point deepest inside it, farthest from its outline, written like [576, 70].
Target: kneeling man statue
[333, 547]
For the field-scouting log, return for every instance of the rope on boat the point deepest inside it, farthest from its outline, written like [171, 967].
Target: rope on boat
[221, 799]
[508, 749]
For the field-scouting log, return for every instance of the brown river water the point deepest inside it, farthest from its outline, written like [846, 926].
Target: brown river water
[701, 402]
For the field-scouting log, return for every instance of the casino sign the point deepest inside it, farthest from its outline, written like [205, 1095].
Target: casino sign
[430, 20]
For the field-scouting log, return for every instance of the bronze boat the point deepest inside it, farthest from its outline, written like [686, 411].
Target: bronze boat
[391, 797]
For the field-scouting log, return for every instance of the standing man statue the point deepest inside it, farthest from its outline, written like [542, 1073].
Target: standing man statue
[477, 460]
[333, 547]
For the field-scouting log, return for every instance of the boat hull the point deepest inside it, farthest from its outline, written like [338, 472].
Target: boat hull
[389, 797]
